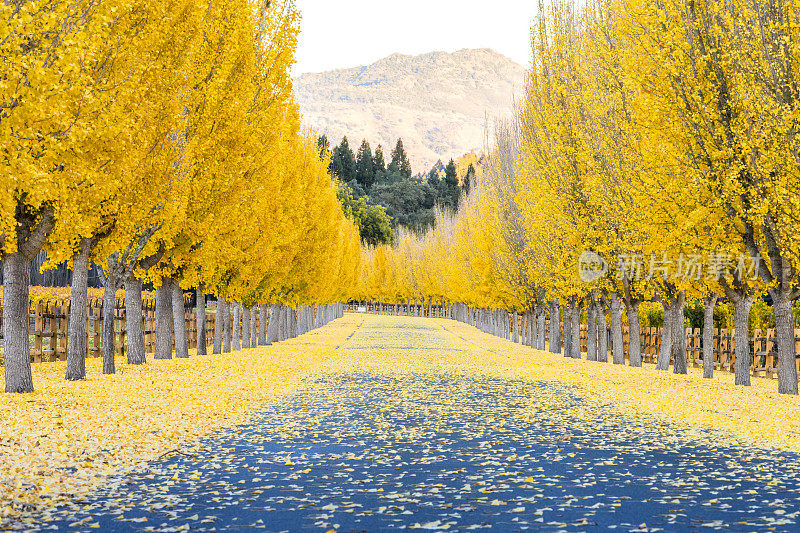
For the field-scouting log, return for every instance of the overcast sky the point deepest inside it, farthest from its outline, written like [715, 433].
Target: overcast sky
[348, 33]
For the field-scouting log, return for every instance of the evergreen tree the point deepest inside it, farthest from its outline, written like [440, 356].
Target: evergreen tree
[468, 179]
[324, 146]
[449, 190]
[379, 164]
[343, 163]
[365, 170]
[451, 175]
[400, 162]
[433, 178]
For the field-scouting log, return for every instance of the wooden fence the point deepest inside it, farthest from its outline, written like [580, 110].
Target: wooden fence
[763, 348]
[49, 326]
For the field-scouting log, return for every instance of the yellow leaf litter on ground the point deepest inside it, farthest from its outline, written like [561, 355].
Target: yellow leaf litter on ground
[68, 437]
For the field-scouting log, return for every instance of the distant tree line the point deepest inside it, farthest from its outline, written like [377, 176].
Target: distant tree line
[380, 196]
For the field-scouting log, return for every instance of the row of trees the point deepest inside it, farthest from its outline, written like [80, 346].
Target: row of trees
[365, 169]
[160, 140]
[408, 200]
[655, 156]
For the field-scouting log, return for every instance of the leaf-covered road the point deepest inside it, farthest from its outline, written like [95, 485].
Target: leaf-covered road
[371, 450]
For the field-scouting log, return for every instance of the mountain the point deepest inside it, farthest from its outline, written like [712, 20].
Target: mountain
[438, 103]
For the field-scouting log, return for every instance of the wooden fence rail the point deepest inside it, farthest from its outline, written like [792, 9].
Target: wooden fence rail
[49, 326]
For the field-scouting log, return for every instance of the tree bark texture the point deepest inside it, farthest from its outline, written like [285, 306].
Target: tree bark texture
[78, 334]
[741, 324]
[219, 325]
[784, 332]
[236, 342]
[555, 328]
[163, 345]
[179, 320]
[109, 294]
[617, 339]
[245, 327]
[602, 334]
[134, 321]
[709, 302]
[262, 324]
[201, 321]
[591, 340]
[634, 335]
[16, 343]
[576, 332]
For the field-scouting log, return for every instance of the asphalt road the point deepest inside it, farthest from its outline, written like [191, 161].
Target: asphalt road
[438, 450]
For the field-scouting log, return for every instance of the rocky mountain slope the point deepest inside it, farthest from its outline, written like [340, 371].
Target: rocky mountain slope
[438, 103]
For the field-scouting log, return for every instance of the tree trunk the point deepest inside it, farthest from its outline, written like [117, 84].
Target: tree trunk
[567, 318]
[576, 332]
[515, 327]
[286, 323]
[133, 321]
[531, 329]
[542, 322]
[201, 321]
[245, 327]
[253, 326]
[286, 330]
[617, 339]
[262, 325]
[634, 335]
[666, 336]
[226, 327]
[709, 302]
[236, 340]
[301, 317]
[679, 336]
[280, 323]
[219, 325]
[283, 323]
[555, 328]
[784, 331]
[274, 325]
[16, 343]
[741, 332]
[76, 343]
[179, 319]
[163, 347]
[293, 322]
[109, 294]
[524, 338]
[602, 334]
[591, 339]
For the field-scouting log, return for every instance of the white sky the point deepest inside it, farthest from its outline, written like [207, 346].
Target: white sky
[348, 33]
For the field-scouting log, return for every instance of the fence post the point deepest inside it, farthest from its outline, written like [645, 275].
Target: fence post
[122, 315]
[38, 311]
[52, 311]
